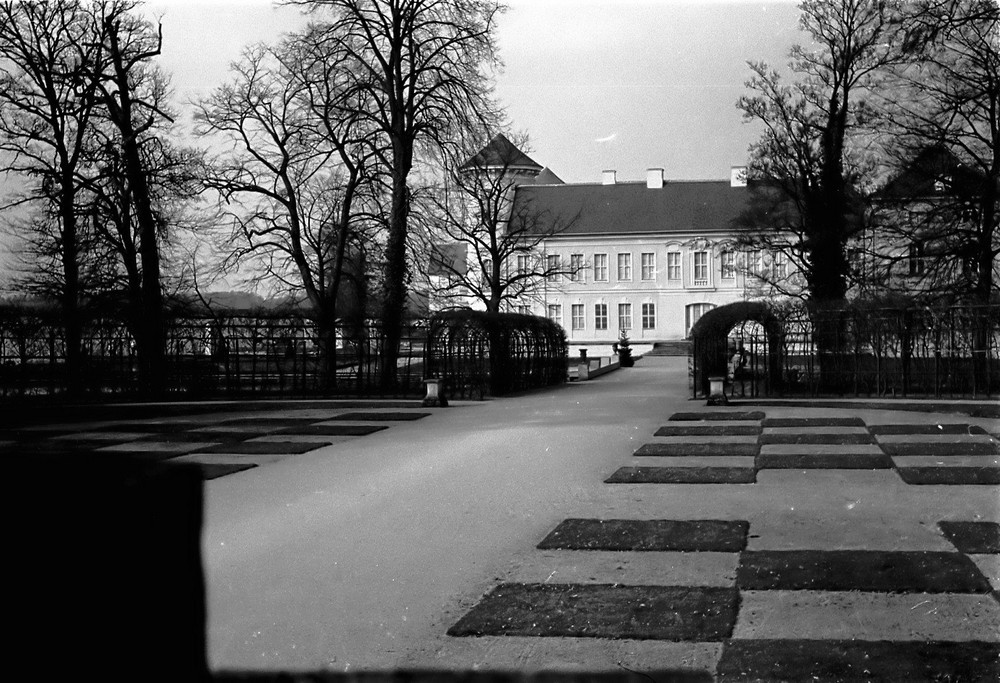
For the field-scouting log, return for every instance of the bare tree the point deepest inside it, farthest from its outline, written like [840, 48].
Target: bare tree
[808, 167]
[941, 116]
[48, 96]
[482, 243]
[419, 72]
[300, 171]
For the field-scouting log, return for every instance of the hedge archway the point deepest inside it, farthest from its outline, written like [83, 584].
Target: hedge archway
[709, 341]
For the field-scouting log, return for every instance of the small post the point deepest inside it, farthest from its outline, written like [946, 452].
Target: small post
[717, 391]
[435, 394]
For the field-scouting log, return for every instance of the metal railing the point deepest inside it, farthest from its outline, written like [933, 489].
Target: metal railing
[233, 354]
[951, 352]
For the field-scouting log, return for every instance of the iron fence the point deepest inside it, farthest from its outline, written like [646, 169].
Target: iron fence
[236, 354]
[949, 352]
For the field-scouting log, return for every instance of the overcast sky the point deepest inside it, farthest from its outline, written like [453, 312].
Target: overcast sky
[596, 84]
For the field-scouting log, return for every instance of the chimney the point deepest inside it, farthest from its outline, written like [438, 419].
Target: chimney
[738, 176]
[608, 177]
[654, 178]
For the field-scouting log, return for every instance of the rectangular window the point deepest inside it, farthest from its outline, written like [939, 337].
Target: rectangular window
[576, 267]
[552, 267]
[624, 267]
[700, 268]
[674, 266]
[647, 265]
[624, 316]
[755, 262]
[600, 267]
[600, 316]
[522, 264]
[779, 266]
[524, 310]
[692, 312]
[487, 272]
[916, 258]
[577, 312]
[649, 316]
[555, 313]
[728, 265]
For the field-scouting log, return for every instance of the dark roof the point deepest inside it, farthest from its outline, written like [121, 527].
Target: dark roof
[932, 165]
[501, 153]
[698, 206]
[547, 177]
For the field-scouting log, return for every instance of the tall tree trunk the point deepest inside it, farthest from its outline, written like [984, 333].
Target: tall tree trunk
[394, 301]
[70, 299]
[151, 338]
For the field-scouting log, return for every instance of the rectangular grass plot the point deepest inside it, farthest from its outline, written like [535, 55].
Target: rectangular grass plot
[265, 447]
[334, 430]
[216, 470]
[708, 430]
[381, 417]
[950, 476]
[813, 422]
[648, 534]
[973, 537]
[703, 614]
[858, 660]
[941, 448]
[816, 438]
[683, 475]
[269, 422]
[731, 415]
[818, 461]
[675, 449]
[932, 428]
[860, 570]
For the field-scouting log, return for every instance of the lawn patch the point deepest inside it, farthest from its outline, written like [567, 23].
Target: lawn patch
[708, 430]
[813, 422]
[202, 436]
[270, 422]
[854, 660]
[265, 447]
[151, 427]
[735, 415]
[821, 461]
[726, 536]
[721, 448]
[703, 614]
[815, 438]
[935, 448]
[683, 475]
[216, 470]
[334, 430]
[973, 537]
[380, 417]
[950, 476]
[893, 430]
[860, 570]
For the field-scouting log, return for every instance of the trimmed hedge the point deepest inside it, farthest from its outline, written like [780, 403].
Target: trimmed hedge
[480, 353]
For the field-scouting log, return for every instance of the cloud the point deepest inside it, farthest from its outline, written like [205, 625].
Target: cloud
[610, 138]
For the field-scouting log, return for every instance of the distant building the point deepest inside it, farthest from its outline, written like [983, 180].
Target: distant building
[649, 257]
[925, 237]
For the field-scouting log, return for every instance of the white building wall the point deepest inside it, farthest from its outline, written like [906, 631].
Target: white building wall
[673, 292]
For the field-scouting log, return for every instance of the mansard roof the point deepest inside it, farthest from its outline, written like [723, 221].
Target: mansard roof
[502, 153]
[696, 206]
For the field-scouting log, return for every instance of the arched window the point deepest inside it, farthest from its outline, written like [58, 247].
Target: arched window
[691, 314]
